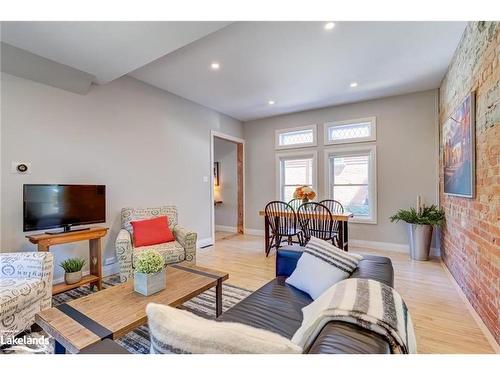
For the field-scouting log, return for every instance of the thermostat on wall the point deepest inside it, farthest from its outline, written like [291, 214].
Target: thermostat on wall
[20, 167]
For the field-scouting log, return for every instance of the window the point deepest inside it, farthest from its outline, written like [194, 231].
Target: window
[351, 180]
[303, 136]
[294, 170]
[351, 131]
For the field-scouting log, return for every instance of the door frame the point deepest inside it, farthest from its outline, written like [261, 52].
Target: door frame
[240, 155]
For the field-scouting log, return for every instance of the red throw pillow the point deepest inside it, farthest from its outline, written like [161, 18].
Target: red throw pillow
[152, 231]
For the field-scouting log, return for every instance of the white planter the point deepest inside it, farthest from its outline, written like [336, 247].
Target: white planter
[72, 277]
[149, 283]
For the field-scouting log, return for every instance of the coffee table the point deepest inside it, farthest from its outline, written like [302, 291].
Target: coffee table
[115, 311]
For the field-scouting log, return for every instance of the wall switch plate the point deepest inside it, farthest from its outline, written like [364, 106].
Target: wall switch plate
[205, 178]
[109, 261]
[20, 167]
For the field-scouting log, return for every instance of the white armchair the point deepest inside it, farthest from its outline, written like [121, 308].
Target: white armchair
[182, 249]
[25, 289]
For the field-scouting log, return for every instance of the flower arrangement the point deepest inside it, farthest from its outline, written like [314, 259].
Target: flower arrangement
[149, 261]
[305, 193]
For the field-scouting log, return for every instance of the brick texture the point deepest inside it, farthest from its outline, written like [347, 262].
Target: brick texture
[470, 241]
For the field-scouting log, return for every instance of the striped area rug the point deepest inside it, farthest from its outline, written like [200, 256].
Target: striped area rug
[137, 341]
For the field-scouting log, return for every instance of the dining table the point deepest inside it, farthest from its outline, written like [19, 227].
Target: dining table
[341, 217]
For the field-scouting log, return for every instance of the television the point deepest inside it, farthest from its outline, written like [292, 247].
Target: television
[62, 206]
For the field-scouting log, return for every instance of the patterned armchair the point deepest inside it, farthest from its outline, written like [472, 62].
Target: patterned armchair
[25, 289]
[182, 249]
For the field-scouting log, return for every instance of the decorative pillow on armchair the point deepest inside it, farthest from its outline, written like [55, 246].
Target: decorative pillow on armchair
[321, 266]
[152, 231]
[171, 327]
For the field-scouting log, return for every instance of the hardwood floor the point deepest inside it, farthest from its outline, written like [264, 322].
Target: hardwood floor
[442, 322]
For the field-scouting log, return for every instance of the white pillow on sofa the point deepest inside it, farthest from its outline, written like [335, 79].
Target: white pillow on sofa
[321, 266]
[171, 327]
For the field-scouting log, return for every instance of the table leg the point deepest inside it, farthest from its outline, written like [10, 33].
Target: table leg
[341, 235]
[58, 348]
[218, 298]
[346, 236]
[266, 233]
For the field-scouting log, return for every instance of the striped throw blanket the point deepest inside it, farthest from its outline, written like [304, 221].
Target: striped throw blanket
[366, 303]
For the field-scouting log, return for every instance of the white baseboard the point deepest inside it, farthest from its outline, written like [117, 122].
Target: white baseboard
[226, 228]
[204, 242]
[489, 336]
[387, 246]
[375, 245]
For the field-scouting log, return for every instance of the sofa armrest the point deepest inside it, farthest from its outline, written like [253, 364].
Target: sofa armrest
[32, 265]
[286, 259]
[124, 252]
[187, 239]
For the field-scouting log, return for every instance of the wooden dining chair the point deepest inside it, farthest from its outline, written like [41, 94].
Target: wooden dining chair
[282, 226]
[316, 220]
[335, 207]
[295, 203]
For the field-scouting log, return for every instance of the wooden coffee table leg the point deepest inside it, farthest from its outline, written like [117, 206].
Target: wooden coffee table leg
[218, 298]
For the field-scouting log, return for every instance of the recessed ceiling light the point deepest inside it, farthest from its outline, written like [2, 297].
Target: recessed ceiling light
[215, 65]
[271, 102]
[329, 25]
[354, 84]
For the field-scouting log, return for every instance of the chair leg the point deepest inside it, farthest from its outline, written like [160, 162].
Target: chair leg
[290, 240]
[270, 245]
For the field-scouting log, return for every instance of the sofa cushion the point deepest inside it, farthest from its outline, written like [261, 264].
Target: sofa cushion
[375, 268]
[170, 327]
[276, 307]
[172, 252]
[152, 231]
[321, 266]
[17, 294]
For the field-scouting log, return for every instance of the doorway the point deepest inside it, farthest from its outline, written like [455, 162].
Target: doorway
[227, 185]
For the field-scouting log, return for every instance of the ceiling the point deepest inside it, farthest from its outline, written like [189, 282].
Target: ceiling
[107, 50]
[298, 65]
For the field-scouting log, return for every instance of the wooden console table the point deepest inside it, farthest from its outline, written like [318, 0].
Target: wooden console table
[93, 235]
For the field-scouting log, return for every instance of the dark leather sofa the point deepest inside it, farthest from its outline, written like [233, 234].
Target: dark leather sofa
[277, 307]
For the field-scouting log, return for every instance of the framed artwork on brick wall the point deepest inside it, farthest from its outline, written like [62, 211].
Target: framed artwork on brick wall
[459, 150]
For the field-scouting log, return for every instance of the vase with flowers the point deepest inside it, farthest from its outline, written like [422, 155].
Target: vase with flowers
[304, 193]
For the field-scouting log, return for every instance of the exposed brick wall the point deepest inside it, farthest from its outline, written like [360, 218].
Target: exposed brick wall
[470, 241]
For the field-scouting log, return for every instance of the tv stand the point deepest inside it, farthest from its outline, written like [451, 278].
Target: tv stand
[66, 229]
[93, 235]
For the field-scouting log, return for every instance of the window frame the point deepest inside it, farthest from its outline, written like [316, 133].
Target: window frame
[279, 132]
[291, 155]
[372, 175]
[373, 137]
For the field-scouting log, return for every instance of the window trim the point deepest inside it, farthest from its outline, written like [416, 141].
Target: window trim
[278, 132]
[295, 155]
[372, 176]
[372, 137]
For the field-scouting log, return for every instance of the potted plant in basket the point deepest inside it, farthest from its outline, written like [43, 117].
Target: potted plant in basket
[420, 223]
[150, 274]
[72, 270]
[305, 193]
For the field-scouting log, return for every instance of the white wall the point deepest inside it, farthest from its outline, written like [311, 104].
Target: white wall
[406, 157]
[148, 147]
[226, 214]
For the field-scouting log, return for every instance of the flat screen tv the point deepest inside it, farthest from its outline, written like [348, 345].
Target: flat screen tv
[62, 206]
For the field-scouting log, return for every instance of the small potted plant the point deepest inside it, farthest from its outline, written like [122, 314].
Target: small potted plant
[150, 274]
[305, 193]
[72, 270]
[420, 223]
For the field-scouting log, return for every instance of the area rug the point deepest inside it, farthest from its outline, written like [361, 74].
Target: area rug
[137, 341]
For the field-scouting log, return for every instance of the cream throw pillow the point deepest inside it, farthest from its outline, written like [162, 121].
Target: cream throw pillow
[170, 327]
